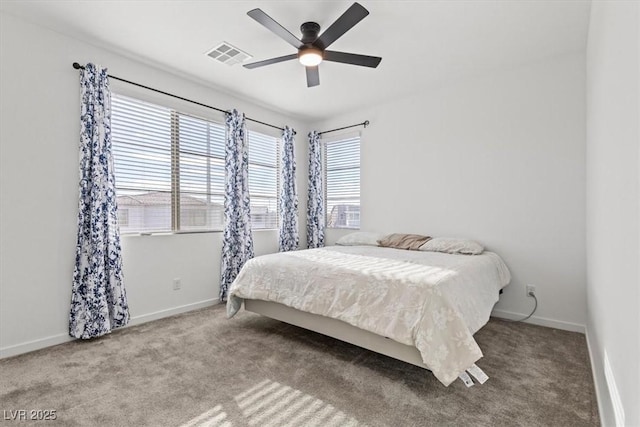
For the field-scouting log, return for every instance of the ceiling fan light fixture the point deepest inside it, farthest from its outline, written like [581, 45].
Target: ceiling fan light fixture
[310, 57]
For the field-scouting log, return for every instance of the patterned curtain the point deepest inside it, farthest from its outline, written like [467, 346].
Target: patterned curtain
[315, 203]
[288, 238]
[237, 245]
[98, 300]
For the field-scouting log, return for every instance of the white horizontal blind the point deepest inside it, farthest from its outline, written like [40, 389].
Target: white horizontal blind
[141, 137]
[342, 183]
[170, 171]
[263, 180]
[200, 174]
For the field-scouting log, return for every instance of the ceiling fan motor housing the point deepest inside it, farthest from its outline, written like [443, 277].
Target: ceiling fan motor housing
[310, 32]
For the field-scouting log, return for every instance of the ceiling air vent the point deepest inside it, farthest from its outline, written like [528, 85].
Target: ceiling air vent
[228, 54]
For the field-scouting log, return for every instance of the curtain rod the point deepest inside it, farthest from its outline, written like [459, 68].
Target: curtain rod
[78, 66]
[365, 124]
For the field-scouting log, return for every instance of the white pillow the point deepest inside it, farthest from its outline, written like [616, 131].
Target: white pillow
[452, 245]
[360, 238]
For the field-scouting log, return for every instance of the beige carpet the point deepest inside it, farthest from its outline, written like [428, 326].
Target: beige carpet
[200, 369]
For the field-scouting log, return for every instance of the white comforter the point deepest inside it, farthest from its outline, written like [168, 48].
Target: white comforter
[430, 300]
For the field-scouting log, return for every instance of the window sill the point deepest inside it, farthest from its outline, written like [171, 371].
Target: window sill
[170, 233]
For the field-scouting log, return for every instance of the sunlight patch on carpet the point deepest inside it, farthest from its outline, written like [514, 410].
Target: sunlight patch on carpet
[214, 417]
[271, 404]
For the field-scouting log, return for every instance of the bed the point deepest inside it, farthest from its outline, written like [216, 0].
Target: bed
[417, 306]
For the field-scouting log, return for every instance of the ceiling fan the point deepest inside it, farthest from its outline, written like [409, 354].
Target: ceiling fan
[312, 47]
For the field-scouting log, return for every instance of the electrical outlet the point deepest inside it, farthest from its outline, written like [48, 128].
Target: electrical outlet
[531, 290]
[177, 284]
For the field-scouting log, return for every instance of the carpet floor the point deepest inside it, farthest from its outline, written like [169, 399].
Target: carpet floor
[200, 369]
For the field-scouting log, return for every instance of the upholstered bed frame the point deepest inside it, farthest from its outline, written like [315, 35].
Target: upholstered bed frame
[336, 329]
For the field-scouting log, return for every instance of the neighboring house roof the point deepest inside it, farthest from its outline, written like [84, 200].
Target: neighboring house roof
[159, 198]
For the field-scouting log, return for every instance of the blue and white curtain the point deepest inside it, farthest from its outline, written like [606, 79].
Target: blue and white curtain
[237, 245]
[315, 202]
[288, 201]
[98, 300]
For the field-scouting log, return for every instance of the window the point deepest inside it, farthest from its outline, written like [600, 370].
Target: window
[263, 180]
[123, 217]
[342, 183]
[169, 169]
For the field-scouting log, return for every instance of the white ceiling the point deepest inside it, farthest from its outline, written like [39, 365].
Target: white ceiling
[422, 43]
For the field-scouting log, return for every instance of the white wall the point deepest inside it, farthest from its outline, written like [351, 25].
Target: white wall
[39, 134]
[499, 158]
[613, 215]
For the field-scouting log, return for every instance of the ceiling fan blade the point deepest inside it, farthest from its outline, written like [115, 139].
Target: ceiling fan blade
[274, 27]
[351, 17]
[270, 61]
[352, 58]
[313, 76]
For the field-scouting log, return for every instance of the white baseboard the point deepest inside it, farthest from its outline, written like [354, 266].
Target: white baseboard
[143, 318]
[540, 321]
[25, 347]
[614, 394]
[597, 381]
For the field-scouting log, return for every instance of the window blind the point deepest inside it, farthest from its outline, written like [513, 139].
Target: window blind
[263, 180]
[342, 183]
[199, 174]
[170, 173]
[141, 138]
